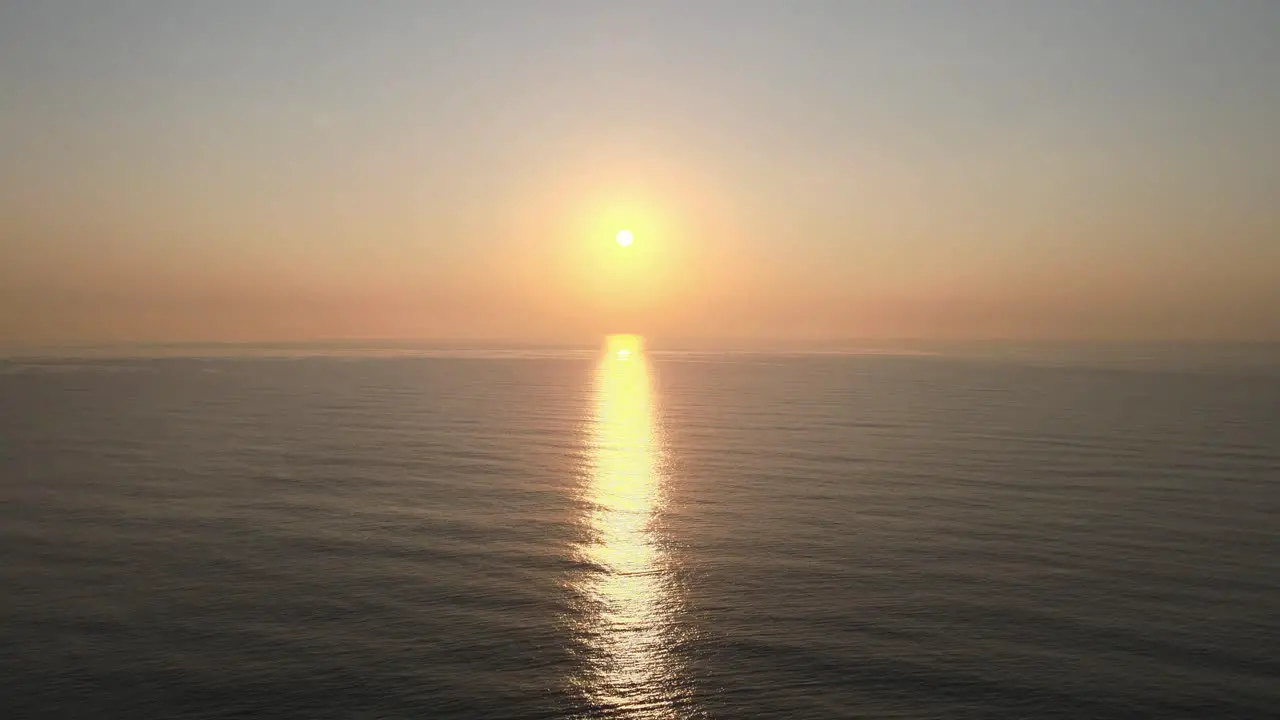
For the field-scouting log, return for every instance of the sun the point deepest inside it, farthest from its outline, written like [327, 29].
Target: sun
[625, 238]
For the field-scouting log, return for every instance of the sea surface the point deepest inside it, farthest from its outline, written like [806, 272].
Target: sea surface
[631, 533]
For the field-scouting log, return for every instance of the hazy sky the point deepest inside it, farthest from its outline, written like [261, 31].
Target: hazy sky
[291, 169]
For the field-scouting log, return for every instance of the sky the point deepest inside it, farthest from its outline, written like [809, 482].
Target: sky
[802, 171]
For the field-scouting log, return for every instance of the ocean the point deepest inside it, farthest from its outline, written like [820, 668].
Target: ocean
[628, 532]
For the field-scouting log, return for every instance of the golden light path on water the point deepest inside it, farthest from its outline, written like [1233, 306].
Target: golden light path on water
[628, 614]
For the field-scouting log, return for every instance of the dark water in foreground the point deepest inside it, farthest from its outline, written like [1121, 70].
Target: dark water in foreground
[662, 537]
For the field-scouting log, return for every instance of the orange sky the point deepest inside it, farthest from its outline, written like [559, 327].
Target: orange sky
[289, 171]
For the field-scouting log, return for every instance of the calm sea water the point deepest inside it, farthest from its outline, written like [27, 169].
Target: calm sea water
[631, 534]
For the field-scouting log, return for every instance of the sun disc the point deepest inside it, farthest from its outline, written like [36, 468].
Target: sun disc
[625, 238]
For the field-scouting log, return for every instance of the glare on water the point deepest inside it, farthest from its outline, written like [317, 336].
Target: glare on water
[629, 604]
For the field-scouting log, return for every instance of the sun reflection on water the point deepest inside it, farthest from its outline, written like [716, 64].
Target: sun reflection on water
[628, 612]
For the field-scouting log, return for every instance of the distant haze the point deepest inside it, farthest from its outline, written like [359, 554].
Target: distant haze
[295, 169]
